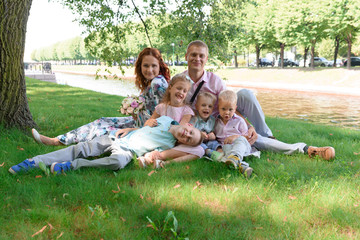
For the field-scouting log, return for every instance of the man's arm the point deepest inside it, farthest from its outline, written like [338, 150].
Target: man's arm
[252, 137]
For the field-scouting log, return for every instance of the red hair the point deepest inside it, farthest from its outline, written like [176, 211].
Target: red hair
[140, 80]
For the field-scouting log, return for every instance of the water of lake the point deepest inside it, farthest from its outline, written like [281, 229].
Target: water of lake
[329, 109]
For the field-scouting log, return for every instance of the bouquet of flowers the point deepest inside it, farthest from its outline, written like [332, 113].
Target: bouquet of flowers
[132, 105]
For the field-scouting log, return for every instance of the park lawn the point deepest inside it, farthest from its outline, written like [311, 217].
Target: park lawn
[288, 197]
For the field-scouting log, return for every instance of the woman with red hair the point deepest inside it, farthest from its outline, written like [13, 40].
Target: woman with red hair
[151, 78]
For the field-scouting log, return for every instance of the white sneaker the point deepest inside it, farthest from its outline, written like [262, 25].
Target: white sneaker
[36, 136]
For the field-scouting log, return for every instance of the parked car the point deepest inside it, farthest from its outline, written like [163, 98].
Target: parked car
[288, 62]
[355, 61]
[322, 62]
[181, 63]
[339, 63]
[264, 62]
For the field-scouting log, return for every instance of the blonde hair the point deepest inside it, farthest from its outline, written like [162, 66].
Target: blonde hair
[177, 78]
[228, 96]
[198, 43]
[207, 95]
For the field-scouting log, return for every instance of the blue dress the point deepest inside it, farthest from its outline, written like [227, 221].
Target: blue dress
[152, 95]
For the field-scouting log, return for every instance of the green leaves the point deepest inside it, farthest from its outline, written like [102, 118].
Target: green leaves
[166, 228]
[43, 167]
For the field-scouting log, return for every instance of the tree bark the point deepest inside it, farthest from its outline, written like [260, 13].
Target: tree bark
[14, 108]
[282, 47]
[257, 47]
[235, 59]
[306, 50]
[337, 44]
[312, 54]
[349, 42]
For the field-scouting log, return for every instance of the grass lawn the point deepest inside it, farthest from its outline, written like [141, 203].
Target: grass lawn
[288, 197]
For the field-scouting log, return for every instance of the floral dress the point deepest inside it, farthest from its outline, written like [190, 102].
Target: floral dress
[152, 95]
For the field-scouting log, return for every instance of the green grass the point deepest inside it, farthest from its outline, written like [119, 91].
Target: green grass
[289, 197]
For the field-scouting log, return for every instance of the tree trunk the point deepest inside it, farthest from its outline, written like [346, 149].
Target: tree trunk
[235, 59]
[312, 54]
[306, 50]
[14, 108]
[282, 47]
[348, 40]
[257, 55]
[337, 44]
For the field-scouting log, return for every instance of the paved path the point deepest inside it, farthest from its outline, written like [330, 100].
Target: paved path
[44, 77]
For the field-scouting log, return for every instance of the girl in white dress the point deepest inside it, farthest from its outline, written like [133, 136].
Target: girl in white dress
[151, 78]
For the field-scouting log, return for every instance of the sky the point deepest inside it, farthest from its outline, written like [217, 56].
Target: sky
[48, 23]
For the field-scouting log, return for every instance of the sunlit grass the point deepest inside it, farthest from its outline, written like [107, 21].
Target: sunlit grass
[288, 197]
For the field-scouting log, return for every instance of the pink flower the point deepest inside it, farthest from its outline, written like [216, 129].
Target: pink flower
[130, 110]
[125, 105]
[134, 104]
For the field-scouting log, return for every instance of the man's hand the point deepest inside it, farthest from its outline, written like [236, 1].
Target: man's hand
[151, 122]
[231, 139]
[252, 135]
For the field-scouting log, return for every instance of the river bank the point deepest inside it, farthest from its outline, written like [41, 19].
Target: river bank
[340, 107]
[338, 81]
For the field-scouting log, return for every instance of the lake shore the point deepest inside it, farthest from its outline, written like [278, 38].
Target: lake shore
[339, 81]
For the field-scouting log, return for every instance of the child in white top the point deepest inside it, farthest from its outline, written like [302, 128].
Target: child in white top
[205, 122]
[173, 103]
[231, 131]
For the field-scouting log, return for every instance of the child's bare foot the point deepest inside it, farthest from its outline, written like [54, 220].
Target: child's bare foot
[44, 139]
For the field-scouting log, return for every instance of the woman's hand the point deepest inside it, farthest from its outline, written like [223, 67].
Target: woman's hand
[151, 122]
[252, 135]
[123, 132]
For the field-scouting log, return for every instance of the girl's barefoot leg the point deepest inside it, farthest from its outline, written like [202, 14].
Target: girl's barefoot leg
[44, 139]
[50, 141]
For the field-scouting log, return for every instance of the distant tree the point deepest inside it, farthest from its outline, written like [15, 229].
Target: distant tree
[258, 26]
[344, 24]
[285, 33]
[226, 30]
[309, 23]
[326, 48]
